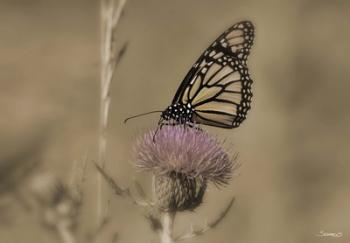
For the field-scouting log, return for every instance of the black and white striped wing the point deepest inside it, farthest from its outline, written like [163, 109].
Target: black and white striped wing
[218, 85]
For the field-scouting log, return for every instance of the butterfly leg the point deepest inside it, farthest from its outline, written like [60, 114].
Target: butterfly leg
[160, 125]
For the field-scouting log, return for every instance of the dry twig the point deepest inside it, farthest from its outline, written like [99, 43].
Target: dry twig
[119, 191]
[77, 178]
[140, 190]
[110, 15]
[65, 233]
[208, 226]
[154, 221]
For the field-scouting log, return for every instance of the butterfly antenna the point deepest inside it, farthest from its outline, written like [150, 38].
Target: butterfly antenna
[160, 124]
[143, 114]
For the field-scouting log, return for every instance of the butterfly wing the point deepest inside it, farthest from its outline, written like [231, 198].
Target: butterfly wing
[218, 85]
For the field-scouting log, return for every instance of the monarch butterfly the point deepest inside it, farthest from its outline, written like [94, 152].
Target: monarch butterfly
[217, 89]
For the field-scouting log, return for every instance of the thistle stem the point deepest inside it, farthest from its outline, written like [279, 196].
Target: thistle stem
[64, 232]
[166, 235]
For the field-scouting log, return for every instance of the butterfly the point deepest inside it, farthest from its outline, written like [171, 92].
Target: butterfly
[217, 89]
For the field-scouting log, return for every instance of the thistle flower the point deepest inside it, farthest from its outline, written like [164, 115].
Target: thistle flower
[183, 160]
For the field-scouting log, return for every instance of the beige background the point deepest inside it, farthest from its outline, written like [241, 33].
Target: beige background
[294, 145]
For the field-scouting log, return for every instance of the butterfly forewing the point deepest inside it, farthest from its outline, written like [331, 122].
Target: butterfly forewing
[218, 85]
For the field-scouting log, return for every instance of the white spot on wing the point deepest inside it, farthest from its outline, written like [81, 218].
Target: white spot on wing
[218, 55]
[212, 53]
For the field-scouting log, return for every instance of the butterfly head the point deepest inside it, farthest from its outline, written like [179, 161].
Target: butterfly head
[179, 113]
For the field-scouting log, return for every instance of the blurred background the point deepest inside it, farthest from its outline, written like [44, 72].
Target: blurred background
[294, 180]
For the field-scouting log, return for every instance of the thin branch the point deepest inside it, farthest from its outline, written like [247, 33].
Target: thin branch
[140, 190]
[111, 182]
[118, 12]
[118, 190]
[105, 221]
[154, 221]
[119, 57]
[77, 177]
[222, 215]
[65, 233]
[208, 226]
[110, 16]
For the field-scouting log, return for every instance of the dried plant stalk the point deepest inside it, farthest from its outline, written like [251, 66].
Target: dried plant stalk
[110, 15]
[64, 232]
[166, 234]
[208, 226]
[120, 191]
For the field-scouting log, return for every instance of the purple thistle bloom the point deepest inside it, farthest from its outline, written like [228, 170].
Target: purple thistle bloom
[185, 150]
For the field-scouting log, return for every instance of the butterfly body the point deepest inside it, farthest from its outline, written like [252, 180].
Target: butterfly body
[217, 89]
[178, 113]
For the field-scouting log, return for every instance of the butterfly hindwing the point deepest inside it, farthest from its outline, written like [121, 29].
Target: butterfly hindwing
[218, 85]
